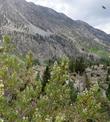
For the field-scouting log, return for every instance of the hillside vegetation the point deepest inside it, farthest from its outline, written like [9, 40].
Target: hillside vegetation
[28, 94]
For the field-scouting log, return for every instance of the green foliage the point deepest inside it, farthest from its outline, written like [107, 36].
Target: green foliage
[72, 65]
[108, 92]
[46, 77]
[108, 80]
[108, 72]
[36, 62]
[87, 81]
[57, 92]
[100, 51]
[87, 105]
[18, 85]
[73, 92]
[24, 98]
[105, 61]
[77, 65]
[80, 65]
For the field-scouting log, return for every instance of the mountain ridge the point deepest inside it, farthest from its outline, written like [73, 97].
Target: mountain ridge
[34, 22]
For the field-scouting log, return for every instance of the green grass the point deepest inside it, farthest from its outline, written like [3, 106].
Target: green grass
[100, 52]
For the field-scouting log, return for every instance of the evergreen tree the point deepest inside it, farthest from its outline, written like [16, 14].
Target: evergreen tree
[80, 65]
[21, 98]
[88, 108]
[46, 77]
[19, 89]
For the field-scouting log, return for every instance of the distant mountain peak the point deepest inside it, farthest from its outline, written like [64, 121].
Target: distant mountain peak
[49, 33]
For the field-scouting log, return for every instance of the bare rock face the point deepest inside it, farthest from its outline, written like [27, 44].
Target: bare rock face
[48, 33]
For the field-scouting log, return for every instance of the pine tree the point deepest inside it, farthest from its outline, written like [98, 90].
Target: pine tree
[80, 65]
[21, 98]
[88, 108]
[19, 89]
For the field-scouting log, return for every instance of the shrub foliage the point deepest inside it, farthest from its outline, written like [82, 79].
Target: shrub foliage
[26, 98]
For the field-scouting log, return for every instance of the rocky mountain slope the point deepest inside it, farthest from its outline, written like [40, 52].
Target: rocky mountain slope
[50, 34]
